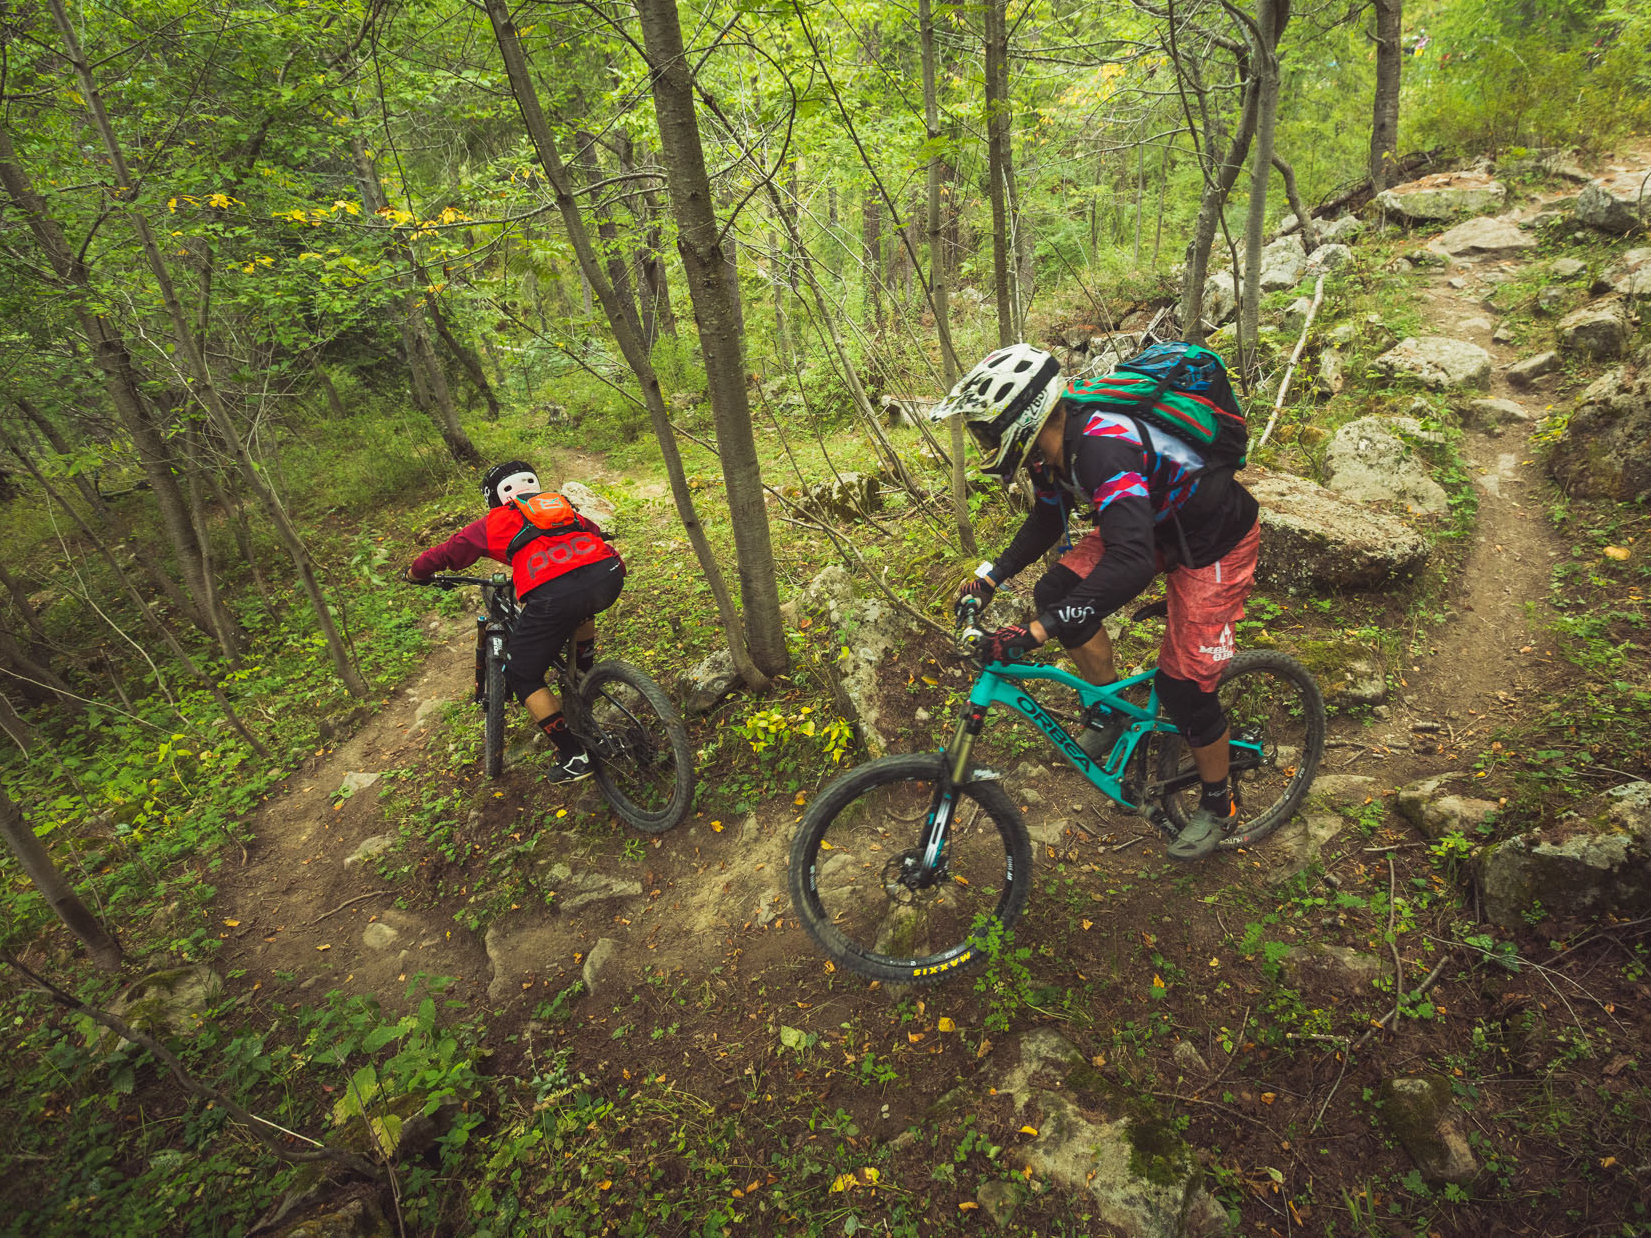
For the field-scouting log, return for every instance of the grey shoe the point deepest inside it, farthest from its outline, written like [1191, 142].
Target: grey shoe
[1102, 727]
[1199, 837]
[570, 768]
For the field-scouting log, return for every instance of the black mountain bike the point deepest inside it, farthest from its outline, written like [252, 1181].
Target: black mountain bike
[638, 746]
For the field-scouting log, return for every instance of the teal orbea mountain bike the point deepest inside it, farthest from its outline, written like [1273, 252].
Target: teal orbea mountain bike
[905, 868]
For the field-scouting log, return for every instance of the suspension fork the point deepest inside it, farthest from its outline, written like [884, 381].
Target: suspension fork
[953, 771]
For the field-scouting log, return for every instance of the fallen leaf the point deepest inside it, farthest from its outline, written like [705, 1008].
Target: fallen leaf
[1089, 924]
[326, 947]
[1029, 1130]
[233, 923]
[914, 1037]
[968, 1205]
[1616, 552]
[947, 1025]
[801, 798]
[716, 826]
[1268, 1098]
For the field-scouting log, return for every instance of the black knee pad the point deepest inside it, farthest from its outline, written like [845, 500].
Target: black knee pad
[1048, 595]
[1196, 712]
[1052, 586]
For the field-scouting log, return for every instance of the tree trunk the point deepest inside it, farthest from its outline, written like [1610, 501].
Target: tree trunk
[998, 156]
[937, 279]
[1221, 169]
[462, 352]
[701, 246]
[871, 238]
[15, 726]
[527, 100]
[1384, 124]
[1292, 195]
[429, 382]
[55, 888]
[1271, 17]
[653, 291]
[195, 366]
[20, 598]
[607, 232]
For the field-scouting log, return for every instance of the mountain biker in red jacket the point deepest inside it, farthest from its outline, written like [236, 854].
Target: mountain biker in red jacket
[1155, 509]
[562, 581]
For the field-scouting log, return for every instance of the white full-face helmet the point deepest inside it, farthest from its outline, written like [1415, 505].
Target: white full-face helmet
[1004, 402]
[514, 479]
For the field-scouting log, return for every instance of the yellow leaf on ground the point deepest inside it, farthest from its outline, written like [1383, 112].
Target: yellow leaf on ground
[233, 923]
[1616, 552]
[1029, 1130]
[326, 947]
[801, 798]
[947, 1025]
[968, 1205]
[716, 826]
[1268, 1098]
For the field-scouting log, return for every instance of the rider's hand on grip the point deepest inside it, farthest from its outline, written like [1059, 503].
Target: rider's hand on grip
[1008, 644]
[407, 575]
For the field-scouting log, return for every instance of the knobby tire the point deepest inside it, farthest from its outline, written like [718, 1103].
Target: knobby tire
[640, 752]
[493, 726]
[853, 837]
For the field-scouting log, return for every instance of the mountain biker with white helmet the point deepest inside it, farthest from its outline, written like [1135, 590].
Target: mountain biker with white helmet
[563, 576]
[1155, 509]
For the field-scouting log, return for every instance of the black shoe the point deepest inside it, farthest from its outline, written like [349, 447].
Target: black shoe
[569, 767]
[1102, 727]
[1199, 838]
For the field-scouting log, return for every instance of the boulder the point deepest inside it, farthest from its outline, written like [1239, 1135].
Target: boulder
[1606, 450]
[1418, 1110]
[1442, 196]
[367, 848]
[1551, 299]
[705, 683]
[379, 936]
[1594, 861]
[1597, 330]
[1619, 202]
[1343, 231]
[846, 498]
[863, 632]
[1105, 351]
[1132, 1170]
[590, 504]
[1434, 815]
[1314, 538]
[357, 1218]
[1629, 275]
[1492, 414]
[1347, 672]
[583, 889]
[1295, 316]
[1283, 263]
[1437, 362]
[1484, 236]
[354, 781]
[1339, 969]
[171, 1002]
[600, 968]
[1567, 268]
[1328, 258]
[1220, 301]
[1332, 373]
[1368, 462]
[1525, 373]
[1299, 844]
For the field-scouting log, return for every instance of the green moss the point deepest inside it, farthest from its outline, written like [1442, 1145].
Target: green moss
[1157, 1151]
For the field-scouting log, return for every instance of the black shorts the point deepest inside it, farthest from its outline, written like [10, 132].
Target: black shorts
[549, 616]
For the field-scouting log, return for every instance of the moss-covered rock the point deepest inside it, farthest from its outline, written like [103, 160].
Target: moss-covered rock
[1419, 1112]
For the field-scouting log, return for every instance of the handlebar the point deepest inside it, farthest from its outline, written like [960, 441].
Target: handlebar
[970, 634]
[497, 581]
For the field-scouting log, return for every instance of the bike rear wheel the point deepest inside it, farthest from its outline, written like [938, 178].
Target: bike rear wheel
[493, 723]
[639, 748]
[865, 831]
[1277, 717]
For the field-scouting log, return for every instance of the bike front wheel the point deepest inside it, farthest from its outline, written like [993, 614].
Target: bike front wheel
[493, 724]
[1276, 715]
[639, 748]
[855, 858]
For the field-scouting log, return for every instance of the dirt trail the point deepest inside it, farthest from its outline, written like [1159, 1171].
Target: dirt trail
[699, 886]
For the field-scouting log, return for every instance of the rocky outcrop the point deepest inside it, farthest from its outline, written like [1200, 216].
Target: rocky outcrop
[1493, 414]
[1606, 450]
[1418, 1110]
[846, 498]
[1525, 373]
[1434, 814]
[1133, 1172]
[1315, 538]
[1597, 330]
[591, 504]
[1282, 264]
[1620, 202]
[1629, 275]
[1343, 231]
[1437, 362]
[174, 1001]
[707, 682]
[1369, 462]
[1484, 236]
[1328, 258]
[1595, 861]
[1442, 196]
[863, 629]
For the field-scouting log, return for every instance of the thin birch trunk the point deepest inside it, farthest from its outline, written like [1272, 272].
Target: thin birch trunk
[60, 896]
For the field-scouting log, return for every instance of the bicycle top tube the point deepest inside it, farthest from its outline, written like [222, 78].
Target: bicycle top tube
[1000, 684]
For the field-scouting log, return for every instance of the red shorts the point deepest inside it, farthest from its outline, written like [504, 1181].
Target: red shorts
[1204, 603]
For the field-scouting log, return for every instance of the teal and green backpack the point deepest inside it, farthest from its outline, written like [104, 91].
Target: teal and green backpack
[1181, 388]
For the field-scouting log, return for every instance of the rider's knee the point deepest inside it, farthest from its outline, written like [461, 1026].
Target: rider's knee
[1198, 713]
[1052, 586]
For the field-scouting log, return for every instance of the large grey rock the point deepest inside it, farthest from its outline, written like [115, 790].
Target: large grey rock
[846, 498]
[1484, 236]
[379, 936]
[1620, 202]
[1314, 538]
[1332, 373]
[1595, 861]
[582, 889]
[1437, 362]
[1491, 413]
[1283, 264]
[1606, 450]
[367, 848]
[1339, 969]
[590, 504]
[1525, 373]
[1328, 258]
[1343, 231]
[707, 682]
[1368, 462]
[863, 636]
[356, 780]
[1299, 844]
[1138, 1177]
[1434, 814]
[1442, 196]
[171, 1002]
[1629, 275]
[1597, 330]
[1567, 268]
[1220, 301]
[601, 965]
[1419, 1111]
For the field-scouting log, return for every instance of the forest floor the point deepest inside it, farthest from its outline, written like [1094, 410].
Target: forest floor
[712, 1102]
